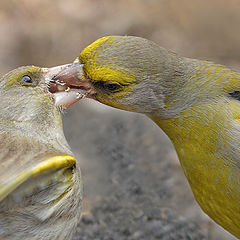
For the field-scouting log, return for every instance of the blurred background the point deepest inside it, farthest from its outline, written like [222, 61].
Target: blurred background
[133, 184]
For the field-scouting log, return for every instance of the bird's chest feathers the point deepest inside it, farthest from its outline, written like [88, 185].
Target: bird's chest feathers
[203, 145]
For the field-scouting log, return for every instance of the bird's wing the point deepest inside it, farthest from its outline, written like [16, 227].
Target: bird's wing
[40, 189]
[28, 166]
[48, 166]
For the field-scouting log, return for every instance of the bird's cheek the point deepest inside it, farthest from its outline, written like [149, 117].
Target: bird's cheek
[104, 98]
[114, 101]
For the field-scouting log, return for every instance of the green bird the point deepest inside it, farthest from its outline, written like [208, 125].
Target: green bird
[40, 180]
[196, 103]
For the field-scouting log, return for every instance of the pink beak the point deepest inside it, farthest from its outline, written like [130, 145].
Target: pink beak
[70, 85]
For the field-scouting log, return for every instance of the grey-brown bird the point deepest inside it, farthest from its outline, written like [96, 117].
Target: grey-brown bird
[40, 180]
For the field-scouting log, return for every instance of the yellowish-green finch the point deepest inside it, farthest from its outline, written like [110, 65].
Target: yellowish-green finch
[196, 103]
[40, 185]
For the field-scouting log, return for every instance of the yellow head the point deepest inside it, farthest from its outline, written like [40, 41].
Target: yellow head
[135, 74]
[121, 67]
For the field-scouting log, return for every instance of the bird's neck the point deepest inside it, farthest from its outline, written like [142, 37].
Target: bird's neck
[197, 135]
[45, 132]
[194, 83]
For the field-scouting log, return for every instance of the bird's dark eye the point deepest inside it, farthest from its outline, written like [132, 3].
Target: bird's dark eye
[26, 79]
[111, 87]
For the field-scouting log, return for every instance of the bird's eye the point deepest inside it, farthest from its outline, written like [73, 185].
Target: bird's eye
[26, 79]
[111, 86]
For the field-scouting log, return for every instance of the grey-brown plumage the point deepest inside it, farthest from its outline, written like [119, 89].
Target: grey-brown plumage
[40, 184]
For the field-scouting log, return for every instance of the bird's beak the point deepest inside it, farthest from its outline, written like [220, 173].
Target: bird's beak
[68, 84]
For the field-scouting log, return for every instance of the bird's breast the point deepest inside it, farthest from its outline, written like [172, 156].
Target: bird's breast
[215, 182]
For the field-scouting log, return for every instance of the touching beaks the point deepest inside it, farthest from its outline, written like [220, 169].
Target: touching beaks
[68, 84]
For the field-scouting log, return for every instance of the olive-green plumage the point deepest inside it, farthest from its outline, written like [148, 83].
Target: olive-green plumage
[196, 103]
[40, 185]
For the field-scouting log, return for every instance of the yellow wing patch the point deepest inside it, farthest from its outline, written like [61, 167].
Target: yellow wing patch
[50, 164]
